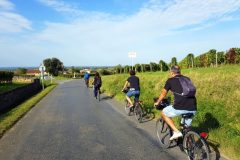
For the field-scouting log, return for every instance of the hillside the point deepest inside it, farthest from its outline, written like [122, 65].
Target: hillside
[218, 90]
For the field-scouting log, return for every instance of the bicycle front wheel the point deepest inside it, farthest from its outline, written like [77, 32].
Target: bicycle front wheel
[195, 146]
[163, 133]
[138, 112]
[127, 109]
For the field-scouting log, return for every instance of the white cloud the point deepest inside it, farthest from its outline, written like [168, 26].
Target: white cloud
[6, 5]
[104, 39]
[11, 21]
[61, 6]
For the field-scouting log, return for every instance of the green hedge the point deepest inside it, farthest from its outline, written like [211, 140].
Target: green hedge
[6, 77]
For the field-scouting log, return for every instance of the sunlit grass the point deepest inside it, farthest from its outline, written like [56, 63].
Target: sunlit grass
[218, 92]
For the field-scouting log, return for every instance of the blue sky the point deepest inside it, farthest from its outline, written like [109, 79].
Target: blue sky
[94, 32]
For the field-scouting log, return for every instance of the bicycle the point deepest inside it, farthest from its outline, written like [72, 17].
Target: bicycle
[192, 143]
[87, 82]
[98, 93]
[136, 109]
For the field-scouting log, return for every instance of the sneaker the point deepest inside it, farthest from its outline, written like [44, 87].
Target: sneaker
[176, 135]
[130, 106]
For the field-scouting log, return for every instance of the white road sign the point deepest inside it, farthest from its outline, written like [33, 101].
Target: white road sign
[42, 68]
[132, 54]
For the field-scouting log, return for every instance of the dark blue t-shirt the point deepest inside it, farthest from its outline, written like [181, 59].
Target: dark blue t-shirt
[180, 102]
[134, 82]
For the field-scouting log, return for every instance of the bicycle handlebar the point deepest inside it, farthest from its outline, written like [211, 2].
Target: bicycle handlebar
[164, 103]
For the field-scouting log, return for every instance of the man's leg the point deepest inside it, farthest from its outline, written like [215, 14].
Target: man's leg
[170, 122]
[129, 100]
[128, 95]
[167, 113]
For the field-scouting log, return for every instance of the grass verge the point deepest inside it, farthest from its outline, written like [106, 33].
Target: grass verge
[217, 98]
[7, 120]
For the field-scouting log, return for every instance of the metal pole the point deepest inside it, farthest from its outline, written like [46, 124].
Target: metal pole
[132, 63]
[42, 80]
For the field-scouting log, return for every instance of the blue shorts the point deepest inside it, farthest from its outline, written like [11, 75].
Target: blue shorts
[134, 93]
[169, 111]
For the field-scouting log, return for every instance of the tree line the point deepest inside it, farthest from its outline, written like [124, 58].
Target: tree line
[212, 58]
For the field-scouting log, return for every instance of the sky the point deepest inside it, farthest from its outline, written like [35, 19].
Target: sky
[103, 32]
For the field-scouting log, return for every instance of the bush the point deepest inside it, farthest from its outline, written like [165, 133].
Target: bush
[105, 72]
[6, 77]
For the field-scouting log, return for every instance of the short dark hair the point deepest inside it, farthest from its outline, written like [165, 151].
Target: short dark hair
[132, 72]
[176, 69]
[97, 74]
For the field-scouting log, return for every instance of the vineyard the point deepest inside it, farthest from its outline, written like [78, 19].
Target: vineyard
[217, 97]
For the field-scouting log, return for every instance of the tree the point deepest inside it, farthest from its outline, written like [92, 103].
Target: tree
[220, 57]
[53, 66]
[174, 61]
[73, 70]
[190, 60]
[119, 69]
[211, 57]
[138, 67]
[237, 50]
[203, 60]
[21, 71]
[127, 69]
[154, 67]
[147, 67]
[163, 66]
[231, 56]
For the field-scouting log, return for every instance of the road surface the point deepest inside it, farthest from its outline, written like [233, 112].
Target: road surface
[69, 124]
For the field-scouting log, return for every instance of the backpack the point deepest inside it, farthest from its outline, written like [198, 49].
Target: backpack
[189, 90]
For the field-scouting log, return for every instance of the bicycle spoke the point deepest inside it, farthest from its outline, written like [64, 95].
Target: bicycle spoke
[195, 147]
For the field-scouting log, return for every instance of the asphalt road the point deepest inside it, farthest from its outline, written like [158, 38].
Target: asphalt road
[69, 124]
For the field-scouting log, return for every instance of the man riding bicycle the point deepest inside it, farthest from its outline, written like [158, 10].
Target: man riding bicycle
[134, 90]
[97, 83]
[86, 78]
[184, 99]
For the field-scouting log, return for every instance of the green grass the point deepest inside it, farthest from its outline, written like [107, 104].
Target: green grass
[218, 92]
[7, 120]
[4, 87]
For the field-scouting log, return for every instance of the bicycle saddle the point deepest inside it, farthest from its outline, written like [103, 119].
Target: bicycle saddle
[187, 115]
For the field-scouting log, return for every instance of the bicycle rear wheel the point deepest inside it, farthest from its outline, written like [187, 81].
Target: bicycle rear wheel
[98, 95]
[138, 112]
[163, 133]
[195, 146]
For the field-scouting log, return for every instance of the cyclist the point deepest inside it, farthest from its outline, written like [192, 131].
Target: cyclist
[183, 103]
[133, 82]
[86, 78]
[97, 83]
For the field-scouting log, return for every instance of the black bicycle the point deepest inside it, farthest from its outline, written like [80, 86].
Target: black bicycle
[136, 109]
[98, 96]
[192, 143]
[87, 82]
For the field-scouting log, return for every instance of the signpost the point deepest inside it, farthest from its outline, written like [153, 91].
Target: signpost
[42, 70]
[132, 55]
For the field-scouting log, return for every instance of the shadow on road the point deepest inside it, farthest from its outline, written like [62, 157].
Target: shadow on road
[148, 114]
[104, 97]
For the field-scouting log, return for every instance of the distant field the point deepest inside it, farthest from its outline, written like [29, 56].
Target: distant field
[218, 92]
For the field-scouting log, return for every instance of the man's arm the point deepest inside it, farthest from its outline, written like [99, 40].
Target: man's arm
[161, 97]
[125, 85]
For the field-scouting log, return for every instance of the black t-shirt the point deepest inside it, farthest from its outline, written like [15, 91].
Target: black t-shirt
[180, 102]
[134, 82]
